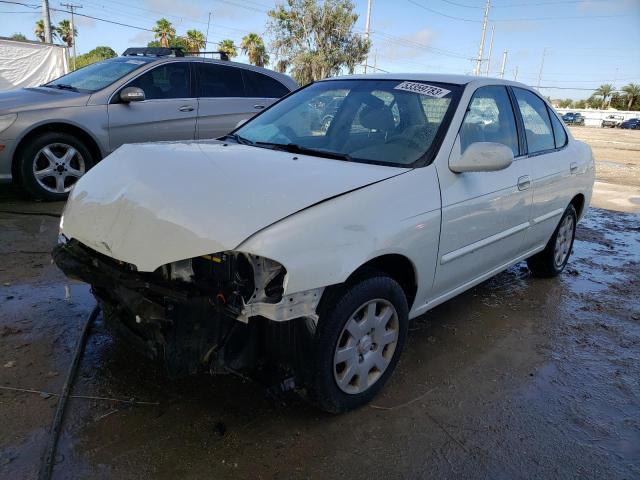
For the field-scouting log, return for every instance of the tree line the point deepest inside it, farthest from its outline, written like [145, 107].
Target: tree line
[311, 40]
[606, 96]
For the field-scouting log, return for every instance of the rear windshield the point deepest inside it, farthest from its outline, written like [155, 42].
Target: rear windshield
[98, 75]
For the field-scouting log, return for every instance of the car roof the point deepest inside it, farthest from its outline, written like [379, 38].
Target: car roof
[432, 77]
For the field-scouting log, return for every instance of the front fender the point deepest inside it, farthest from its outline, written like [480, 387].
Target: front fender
[324, 244]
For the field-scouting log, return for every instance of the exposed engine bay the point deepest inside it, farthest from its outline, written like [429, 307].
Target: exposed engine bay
[223, 312]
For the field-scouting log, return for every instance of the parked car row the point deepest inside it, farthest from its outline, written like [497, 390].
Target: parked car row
[51, 135]
[611, 121]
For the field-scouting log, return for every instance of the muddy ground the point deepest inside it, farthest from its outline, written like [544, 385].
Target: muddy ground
[516, 378]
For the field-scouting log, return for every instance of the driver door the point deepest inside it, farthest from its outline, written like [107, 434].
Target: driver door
[168, 112]
[485, 215]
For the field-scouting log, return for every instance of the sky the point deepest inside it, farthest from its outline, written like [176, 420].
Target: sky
[584, 43]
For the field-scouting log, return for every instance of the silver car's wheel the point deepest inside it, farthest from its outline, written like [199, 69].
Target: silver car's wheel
[366, 346]
[564, 240]
[57, 167]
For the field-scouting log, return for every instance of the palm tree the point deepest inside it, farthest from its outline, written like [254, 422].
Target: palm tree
[39, 31]
[164, 31]
[632, 92]
[253, 46]
[195, 40]
[64, 30]
[227, 46]
[605, 92]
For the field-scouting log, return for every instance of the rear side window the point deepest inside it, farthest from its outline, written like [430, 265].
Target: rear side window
[558, 131]
[537, 124]
[262, 86]
[219, 81]
[490, 118]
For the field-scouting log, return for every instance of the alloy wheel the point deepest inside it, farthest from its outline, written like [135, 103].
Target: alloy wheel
[57, 167]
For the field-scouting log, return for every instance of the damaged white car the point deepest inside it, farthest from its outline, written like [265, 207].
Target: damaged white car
[308, 246]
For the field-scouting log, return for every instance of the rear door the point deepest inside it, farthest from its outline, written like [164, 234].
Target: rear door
[549, 162]
[221, 99]
[485, 215]
[167, 113]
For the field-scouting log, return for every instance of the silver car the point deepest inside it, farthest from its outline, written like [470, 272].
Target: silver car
[52, 134]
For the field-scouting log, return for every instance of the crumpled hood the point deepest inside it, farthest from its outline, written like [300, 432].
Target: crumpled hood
[35, 98]
[152, 204]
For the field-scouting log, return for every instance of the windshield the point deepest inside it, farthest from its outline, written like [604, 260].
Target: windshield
[389, 122]
[98, 75]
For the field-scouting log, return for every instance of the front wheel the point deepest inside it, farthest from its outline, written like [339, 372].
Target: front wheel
[360, 336]
[552, 260]
[52, 163]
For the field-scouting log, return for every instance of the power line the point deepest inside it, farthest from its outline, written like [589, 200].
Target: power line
[524, 19]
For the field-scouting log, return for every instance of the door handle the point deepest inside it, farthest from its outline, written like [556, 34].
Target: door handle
[524, 182]
[258, 107]
[573, 168]
[186, 108]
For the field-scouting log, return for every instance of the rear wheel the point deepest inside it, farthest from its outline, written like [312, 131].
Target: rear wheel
[359, 339]
[552, 260]
[52, 163]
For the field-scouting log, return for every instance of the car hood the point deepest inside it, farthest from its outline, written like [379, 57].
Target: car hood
[152, 204]
[34, 98]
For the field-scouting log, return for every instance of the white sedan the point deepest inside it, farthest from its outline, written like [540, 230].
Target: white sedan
[304, 247]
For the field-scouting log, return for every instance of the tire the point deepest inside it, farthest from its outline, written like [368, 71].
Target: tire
[51, 163]
[336, 386]
[551, 261]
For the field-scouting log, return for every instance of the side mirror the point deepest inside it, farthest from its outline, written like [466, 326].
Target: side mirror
[483, 157]
[131, 94]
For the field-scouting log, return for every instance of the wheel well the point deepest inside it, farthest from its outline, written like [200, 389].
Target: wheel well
[578, 204]
[55, 127]
[397, 267]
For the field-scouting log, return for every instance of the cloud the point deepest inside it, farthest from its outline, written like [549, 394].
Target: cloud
[84, 22]
[404, 46]
[140, 39]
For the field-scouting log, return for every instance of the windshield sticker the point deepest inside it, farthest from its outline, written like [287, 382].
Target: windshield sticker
[136, 62]
[423, 89]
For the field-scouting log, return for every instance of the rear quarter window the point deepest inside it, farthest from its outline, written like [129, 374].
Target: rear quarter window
[262, 86]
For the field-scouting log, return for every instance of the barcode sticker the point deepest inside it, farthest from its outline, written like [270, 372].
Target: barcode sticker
[423, 89]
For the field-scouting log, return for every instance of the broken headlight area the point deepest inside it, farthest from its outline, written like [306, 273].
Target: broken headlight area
[194, 315]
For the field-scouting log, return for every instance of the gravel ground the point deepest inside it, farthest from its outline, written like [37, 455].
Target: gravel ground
[516, 378]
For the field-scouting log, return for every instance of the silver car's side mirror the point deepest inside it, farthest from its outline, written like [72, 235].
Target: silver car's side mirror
[132, 94]
[482, 157]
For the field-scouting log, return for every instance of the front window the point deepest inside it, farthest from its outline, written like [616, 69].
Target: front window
[388, 122]
[98, 75]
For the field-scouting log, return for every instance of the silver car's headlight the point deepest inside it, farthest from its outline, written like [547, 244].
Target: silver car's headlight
[7, 120]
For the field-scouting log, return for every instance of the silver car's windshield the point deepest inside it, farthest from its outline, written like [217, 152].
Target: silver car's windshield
[390, 122]
[98, 75]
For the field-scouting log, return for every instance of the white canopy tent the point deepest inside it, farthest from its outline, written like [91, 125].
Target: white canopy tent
[27, 64]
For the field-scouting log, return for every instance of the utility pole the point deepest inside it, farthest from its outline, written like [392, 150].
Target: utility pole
[544, 53]
[515, 74]
[71, 7]
[478, 68]
[504, 63]
[46, 19]
[493, 30]
[375, 60]
[206, 38]
[366, 32]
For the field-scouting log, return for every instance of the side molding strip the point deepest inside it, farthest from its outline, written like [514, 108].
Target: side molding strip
[547, 216]
[448, 257]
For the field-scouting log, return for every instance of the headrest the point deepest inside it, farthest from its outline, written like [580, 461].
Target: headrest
[377, 118]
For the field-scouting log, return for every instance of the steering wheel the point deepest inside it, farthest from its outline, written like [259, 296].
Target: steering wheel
[406, 141]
